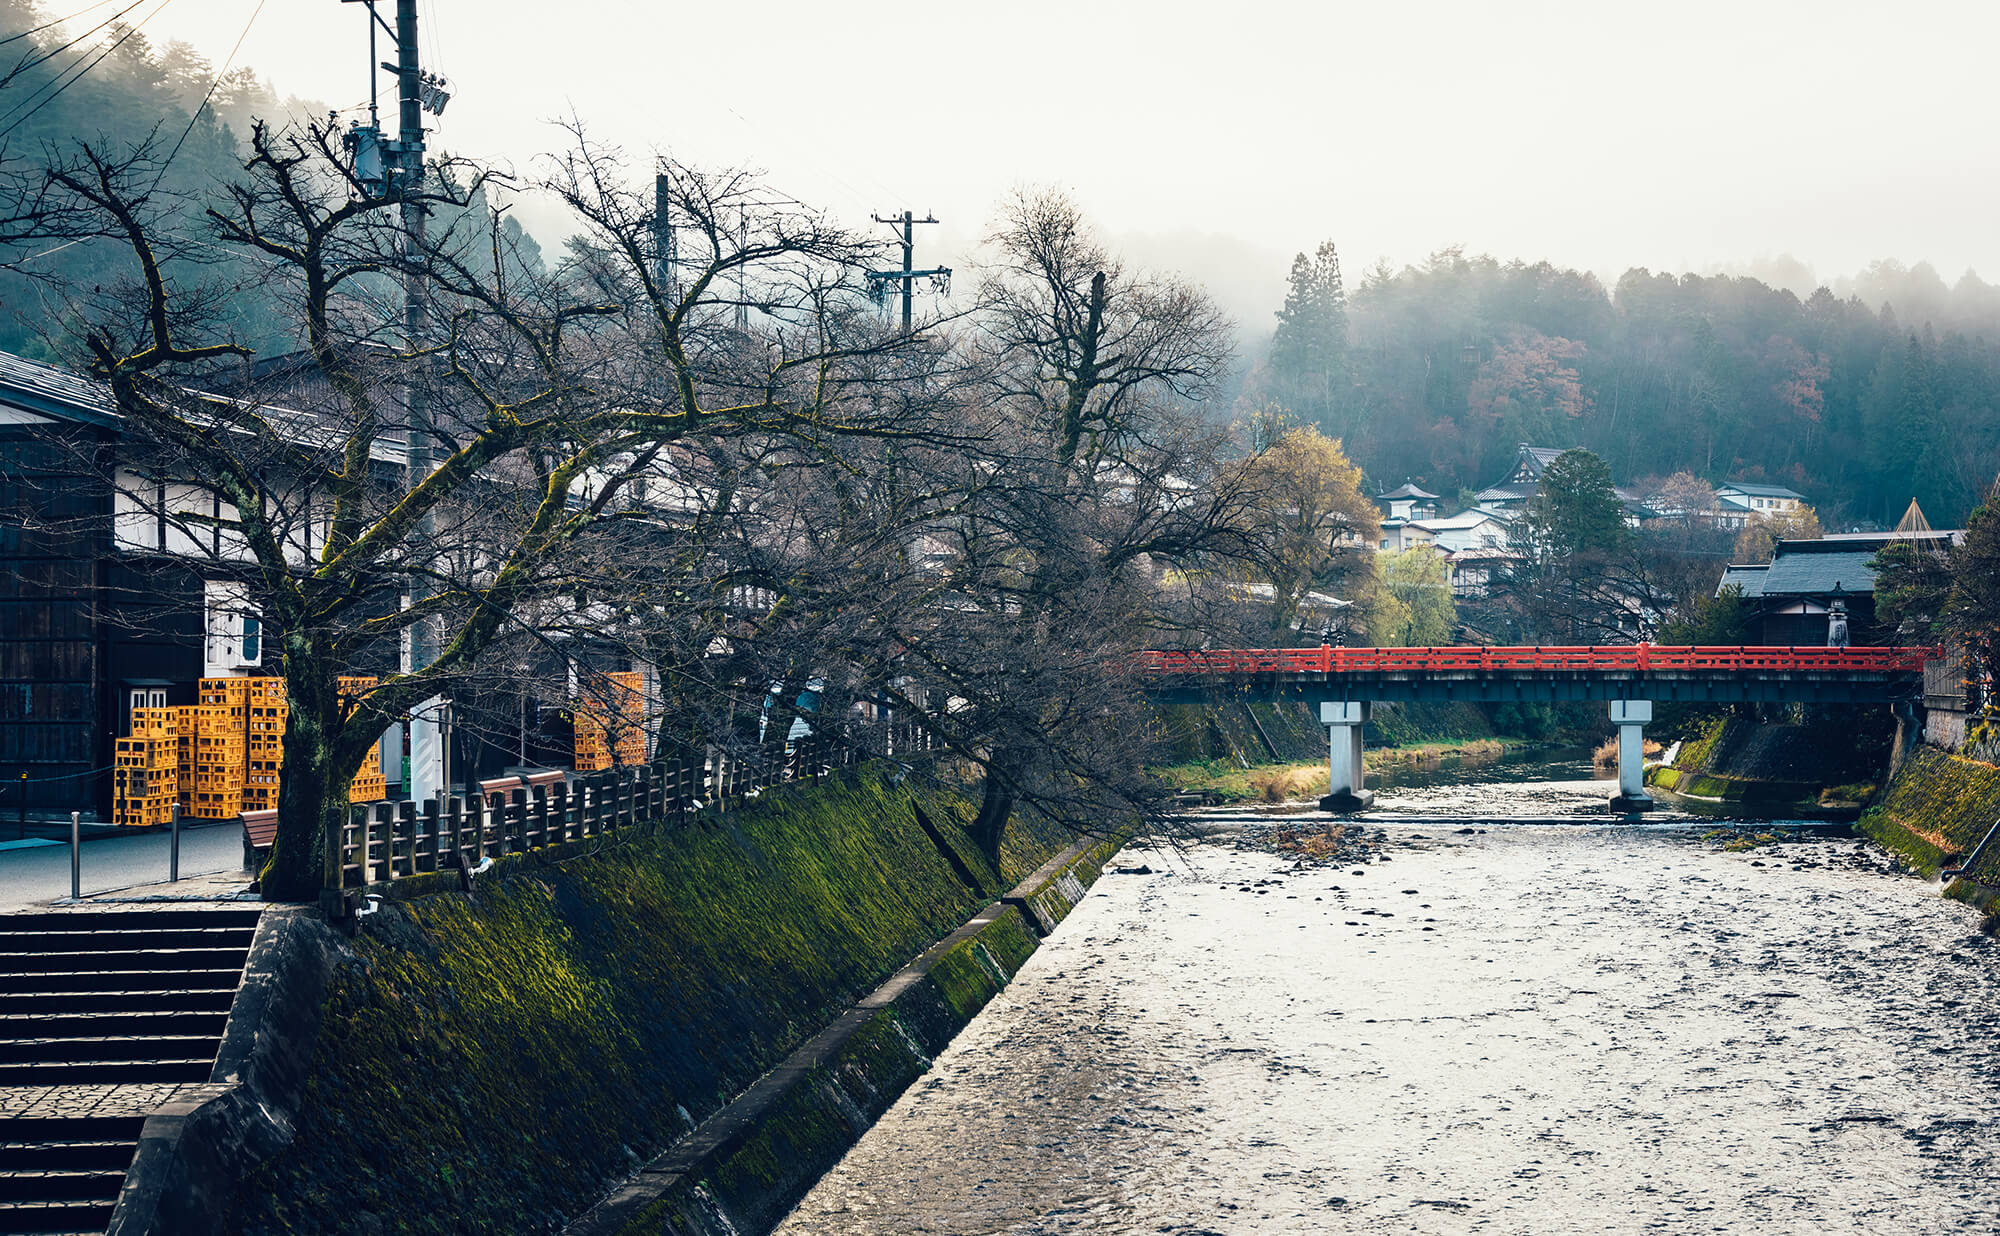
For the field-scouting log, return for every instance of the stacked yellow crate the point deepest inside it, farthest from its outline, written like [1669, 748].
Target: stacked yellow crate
[592, 753]
[628, 696]
[219, 753]
[184, 727]
[146, 769]
[368, 785]
[264, 743]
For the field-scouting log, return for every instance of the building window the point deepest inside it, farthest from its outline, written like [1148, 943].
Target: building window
[234, 629]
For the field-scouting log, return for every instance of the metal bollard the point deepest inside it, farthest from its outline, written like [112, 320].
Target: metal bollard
[75, 855]
[174, 847]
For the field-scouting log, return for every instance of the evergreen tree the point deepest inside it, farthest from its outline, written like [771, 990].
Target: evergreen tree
[1309, 352]
[1576, 515]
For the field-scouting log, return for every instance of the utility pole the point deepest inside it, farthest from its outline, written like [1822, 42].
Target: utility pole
[395, 169]
[907, 274]
[663, 236]
[430, 763]
[742, 286]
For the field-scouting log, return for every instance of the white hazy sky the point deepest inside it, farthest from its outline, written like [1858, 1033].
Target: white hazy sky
[1220, 138]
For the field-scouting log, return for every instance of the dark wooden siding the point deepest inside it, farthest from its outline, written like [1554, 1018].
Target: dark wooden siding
[54, 530]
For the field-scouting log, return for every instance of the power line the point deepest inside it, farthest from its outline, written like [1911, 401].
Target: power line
[47, 25]
[219, 74]
[25, 65]
[81, 73]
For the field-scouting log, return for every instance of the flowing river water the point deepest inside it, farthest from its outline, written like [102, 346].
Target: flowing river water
[1491, 1027]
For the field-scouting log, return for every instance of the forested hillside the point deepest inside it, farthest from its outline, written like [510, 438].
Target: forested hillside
[185, 122]
[99, 80]
[1437, 371]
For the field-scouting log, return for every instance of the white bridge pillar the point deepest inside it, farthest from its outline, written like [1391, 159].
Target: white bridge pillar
[1345, 775]
[1631, 716]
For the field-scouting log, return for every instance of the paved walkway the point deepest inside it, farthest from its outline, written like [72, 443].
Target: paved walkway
[37, 875]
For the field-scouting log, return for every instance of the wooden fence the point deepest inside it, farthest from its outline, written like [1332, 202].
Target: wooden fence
[390, 840]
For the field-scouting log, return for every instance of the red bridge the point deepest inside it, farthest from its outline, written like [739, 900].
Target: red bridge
[1629, 677]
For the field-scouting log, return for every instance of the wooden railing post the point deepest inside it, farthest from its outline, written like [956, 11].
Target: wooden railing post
[429, 829]
[477, 807]
[354, 845]
[406, 835]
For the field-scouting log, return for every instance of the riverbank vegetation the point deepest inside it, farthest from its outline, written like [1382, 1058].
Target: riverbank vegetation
[491, 1061]
[1225, 782]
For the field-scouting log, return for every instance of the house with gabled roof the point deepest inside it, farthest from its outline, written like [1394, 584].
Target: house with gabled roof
[1509, 497]
[1748, 498]
[1793, 595]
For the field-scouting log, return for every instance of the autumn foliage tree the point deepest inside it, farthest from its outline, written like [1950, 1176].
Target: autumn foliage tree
[1317, 525]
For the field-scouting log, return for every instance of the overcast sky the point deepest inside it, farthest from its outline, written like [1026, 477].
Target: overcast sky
[1220, 138]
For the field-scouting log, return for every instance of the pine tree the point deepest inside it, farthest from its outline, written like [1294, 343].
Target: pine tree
[1309, 351]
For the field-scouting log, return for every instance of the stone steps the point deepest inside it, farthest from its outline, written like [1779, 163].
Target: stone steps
[92, 1000]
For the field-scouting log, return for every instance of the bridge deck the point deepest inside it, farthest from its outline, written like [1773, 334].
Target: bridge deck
[1605, 672]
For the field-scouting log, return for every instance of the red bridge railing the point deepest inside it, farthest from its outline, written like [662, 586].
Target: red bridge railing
[1611, 658]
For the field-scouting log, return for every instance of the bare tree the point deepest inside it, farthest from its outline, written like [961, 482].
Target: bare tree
[1099, 494]
[559, 405]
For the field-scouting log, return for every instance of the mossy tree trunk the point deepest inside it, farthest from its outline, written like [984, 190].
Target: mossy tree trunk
[324, 748]
[996, 806]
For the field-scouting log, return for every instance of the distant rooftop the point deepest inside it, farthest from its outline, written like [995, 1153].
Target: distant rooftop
[1755, 490]
[1406, 490]
[1819, 573]
[1464, 519]
[1748, 578]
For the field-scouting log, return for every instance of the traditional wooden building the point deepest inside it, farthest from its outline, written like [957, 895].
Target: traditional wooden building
[1792, 597]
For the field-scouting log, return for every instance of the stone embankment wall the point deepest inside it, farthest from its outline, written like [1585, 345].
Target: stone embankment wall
[496, 1060]
[1749, 762]
[1289, 731]
[744, 1169]
[1936, 810]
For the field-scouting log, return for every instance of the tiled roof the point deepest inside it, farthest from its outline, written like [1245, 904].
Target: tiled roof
[1818, 572]
[1749, 579]
[58, 392]
[1406, 490]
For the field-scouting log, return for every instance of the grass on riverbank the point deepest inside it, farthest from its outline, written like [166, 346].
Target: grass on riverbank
[1276, 783]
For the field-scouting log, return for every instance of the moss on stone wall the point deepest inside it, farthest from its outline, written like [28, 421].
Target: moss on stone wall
[490, 1062]
[1737, 760]
[1403, 725]
[1938, 807]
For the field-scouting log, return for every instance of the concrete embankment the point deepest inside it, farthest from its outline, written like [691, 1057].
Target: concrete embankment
[496, 1060]
[1772, 766]
[745, 1167]
[1934, 813]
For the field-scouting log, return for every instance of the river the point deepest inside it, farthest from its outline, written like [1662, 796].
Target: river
[1492, 1027]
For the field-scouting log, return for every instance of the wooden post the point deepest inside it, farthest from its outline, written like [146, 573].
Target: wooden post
[355, 845]
[563, 809]
[383, 823]
[428, 830]
[454, 829]
[475, 823]
[406, 829]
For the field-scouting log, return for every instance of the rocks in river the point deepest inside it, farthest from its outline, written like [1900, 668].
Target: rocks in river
[1141, 869]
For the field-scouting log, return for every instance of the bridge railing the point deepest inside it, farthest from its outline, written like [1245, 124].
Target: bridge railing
[1607, 658]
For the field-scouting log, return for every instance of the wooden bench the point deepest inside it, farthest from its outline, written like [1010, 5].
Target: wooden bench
[260, 829]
